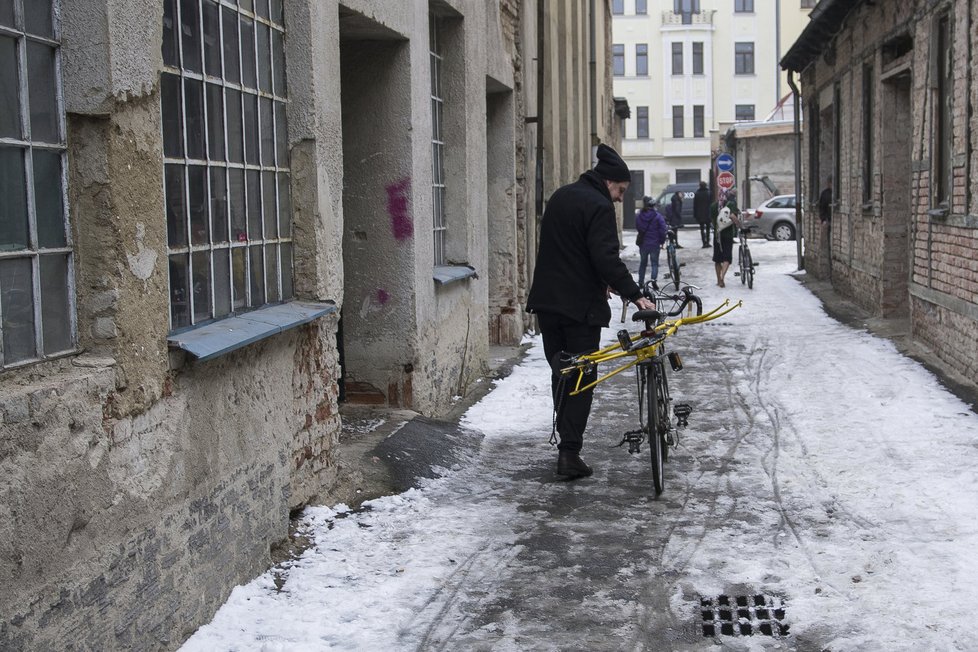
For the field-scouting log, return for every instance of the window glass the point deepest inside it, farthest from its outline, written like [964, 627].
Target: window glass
[17, 310]
[264, 58]
[13, 199]
[7, 13]
[55, 303]
[48, 202]
[10, 80]
[37, 18]
[190, 31]
[43, 97]
[212, 38]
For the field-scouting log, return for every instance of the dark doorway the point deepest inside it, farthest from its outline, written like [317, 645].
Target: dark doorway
[896, 179]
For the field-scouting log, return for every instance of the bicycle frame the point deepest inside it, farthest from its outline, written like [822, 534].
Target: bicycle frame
[657, 334]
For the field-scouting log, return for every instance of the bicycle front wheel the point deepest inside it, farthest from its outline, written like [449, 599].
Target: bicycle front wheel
[750, 271]
[652, 416]
[742, 260]
[664, 420]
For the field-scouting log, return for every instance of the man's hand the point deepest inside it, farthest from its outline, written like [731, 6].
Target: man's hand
[644, 304]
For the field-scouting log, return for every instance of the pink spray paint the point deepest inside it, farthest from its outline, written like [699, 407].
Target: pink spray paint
[397, 208]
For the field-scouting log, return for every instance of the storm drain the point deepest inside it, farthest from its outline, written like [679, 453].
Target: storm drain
[743, 615]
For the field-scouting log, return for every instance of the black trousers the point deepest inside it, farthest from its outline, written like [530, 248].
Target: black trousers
[562, 335]
[705, 233]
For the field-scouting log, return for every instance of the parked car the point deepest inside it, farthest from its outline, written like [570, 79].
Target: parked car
[774, 218]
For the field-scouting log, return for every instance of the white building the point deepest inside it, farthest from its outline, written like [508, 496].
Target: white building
[685, 66]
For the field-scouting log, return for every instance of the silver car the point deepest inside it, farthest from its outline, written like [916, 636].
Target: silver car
[774, 218]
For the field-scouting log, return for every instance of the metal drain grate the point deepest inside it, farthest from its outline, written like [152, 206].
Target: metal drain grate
[743, 615]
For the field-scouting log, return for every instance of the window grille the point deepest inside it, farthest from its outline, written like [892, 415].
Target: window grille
[37, 311]
[437, 141]
[226, 158]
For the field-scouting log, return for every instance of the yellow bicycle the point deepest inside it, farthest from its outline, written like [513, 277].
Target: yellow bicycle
[646, 350]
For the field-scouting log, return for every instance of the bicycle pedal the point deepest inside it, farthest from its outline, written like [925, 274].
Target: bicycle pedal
[736, 273]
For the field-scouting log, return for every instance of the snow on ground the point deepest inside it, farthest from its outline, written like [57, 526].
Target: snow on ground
[846, 466]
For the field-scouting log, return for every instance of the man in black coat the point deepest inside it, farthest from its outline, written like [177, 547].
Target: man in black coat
[576, 265]
[701, 212]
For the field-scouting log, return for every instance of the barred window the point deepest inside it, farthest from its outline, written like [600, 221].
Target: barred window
[225, 148]
[36, 261]
[437, 140]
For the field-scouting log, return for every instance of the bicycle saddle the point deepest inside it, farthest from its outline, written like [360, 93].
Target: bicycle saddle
[647, 315]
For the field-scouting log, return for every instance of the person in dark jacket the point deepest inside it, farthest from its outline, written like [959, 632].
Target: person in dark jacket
[701, 212]
[651, 226]
[577, 264]
[676, 215]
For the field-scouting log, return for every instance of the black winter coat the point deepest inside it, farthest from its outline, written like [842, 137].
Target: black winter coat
[701, 205]
[578, 257]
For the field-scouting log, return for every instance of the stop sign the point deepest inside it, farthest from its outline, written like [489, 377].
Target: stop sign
[725, 180]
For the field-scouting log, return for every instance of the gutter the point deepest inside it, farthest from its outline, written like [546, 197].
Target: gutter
[796, 94]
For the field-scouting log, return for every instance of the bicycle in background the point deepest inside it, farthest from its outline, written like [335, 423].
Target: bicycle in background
[672, 262]
[744, 259]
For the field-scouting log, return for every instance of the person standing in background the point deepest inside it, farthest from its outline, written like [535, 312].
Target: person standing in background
[701, 211]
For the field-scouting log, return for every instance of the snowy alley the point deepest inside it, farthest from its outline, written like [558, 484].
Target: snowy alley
[822, 473]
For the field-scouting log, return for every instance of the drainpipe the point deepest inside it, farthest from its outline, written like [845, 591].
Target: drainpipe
[796, 94]
[593, 71]
[541, 58]
[777, 50]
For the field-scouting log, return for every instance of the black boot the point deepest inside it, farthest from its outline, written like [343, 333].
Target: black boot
[569, 463]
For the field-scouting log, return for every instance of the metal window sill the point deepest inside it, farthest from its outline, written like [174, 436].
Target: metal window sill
[226, 335]
[446, 274]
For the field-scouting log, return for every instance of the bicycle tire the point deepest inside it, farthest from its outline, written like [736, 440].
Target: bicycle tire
[750, 271]
[652, 426]
[743, 266]
[673, 265]
[663, 406]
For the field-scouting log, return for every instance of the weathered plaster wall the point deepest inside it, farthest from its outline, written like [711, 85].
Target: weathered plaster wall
[137, 487]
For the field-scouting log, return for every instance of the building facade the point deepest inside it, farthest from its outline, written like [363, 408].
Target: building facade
[220, 218]
[887, 92]
[685, 66]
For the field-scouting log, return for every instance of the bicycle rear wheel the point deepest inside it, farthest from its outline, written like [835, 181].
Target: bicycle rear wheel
[750, 270]
[652, 415]
[742, 261]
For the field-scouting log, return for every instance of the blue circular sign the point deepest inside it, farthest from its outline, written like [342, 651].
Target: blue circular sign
[725, 162]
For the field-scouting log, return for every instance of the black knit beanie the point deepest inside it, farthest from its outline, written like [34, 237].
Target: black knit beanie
[610, 165]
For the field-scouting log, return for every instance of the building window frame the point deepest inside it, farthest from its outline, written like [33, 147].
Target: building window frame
[37, 262]
[618, 59]
[744, 58]
[743, 6]
[698, 121]
[869, 106]
[678, 122]
[227, 178]
[641, 7]
[438, 185]
[697, 57]
[618, 7]
[642, 122]
[641, 59]
[942, 101]
[677, 58]
[744, 113]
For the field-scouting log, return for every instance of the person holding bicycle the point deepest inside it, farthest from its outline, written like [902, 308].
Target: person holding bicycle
[652, 229]
[577, 264]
